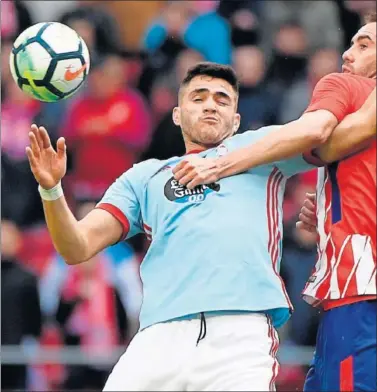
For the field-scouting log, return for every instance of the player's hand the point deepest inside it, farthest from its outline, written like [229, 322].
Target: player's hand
[48, 166]
[193, 171]
[308, 217]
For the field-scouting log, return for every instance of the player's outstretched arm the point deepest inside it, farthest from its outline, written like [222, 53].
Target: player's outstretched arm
[294, 138]
[76, 241]
[308, 132]
[353, 134]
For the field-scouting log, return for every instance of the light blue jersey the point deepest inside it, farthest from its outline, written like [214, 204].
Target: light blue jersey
[215, 248]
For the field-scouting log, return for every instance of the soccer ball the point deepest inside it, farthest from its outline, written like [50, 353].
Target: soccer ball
[49, 61]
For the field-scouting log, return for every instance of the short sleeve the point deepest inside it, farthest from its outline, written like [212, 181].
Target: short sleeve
[297, 164]
[121, 200]
[332, 93]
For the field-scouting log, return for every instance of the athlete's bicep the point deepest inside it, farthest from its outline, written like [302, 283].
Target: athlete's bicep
[101, 229]
[121, 201]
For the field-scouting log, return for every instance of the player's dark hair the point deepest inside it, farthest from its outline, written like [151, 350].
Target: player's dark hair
[371, 17]
[214, 70]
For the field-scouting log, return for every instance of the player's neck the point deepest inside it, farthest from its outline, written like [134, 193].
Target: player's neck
[192, 147]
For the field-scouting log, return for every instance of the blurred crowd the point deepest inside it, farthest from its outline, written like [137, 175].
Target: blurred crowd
[140, 51]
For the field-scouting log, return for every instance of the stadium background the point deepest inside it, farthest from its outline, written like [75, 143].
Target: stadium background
[68, 325]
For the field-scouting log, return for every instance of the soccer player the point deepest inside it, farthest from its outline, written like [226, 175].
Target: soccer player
[212, 293]
[344, 279]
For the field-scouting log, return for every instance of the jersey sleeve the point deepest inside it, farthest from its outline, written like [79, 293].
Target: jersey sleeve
[122, 201]
[332, 93]
[288, 167]
[297, 164]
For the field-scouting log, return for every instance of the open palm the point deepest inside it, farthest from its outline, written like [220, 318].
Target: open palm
[48, 166]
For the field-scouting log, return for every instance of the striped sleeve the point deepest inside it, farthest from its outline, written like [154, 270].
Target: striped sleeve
[121, 200]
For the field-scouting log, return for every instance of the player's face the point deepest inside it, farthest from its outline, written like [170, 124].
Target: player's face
[207, 111]
[360, 58]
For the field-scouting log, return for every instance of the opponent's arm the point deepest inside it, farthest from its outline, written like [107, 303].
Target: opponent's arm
[353, 134]
[317, 129]
[328, 107]
[77, 241]
[289, 140]
[309, 131]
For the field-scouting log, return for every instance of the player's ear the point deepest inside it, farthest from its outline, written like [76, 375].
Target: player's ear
[236, 122]
[177, 116]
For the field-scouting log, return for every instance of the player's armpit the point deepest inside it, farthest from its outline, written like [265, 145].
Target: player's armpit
[352, 135]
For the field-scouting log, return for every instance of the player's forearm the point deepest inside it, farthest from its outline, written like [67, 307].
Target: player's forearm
[353, 134]
[67, 237]
[288, 141]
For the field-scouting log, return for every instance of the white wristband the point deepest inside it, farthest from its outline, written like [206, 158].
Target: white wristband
[51, 194]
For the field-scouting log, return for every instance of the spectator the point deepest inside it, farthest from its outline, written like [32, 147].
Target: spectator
[167, 140]
[20, 308]
[164, 91]
[257, 105]
[313, 16]
[351, 14]
[296, 98]
[182, 21]
[289, 56]
[106, 129]
[96, 304]
[96, 27]
[15, 19]
[244, 18]
[19, 194]
[183, 25]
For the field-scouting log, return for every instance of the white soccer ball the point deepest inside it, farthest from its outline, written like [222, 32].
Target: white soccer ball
[49, 61]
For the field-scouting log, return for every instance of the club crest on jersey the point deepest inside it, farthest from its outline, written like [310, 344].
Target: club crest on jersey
[174, 191]
[221, 150]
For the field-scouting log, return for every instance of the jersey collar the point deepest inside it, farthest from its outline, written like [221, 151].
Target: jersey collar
[195, 151]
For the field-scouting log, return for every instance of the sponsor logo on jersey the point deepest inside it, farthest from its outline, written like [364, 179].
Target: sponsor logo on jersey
[178, 193]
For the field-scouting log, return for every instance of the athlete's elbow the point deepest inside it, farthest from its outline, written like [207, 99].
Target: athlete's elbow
[319, 125]
[319, 136]
[72, 255]
[72, 260]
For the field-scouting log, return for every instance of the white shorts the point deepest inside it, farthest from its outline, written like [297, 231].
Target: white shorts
[237, 353]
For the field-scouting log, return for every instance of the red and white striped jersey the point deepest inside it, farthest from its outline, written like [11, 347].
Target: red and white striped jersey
[346, 265]
[345, 271]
